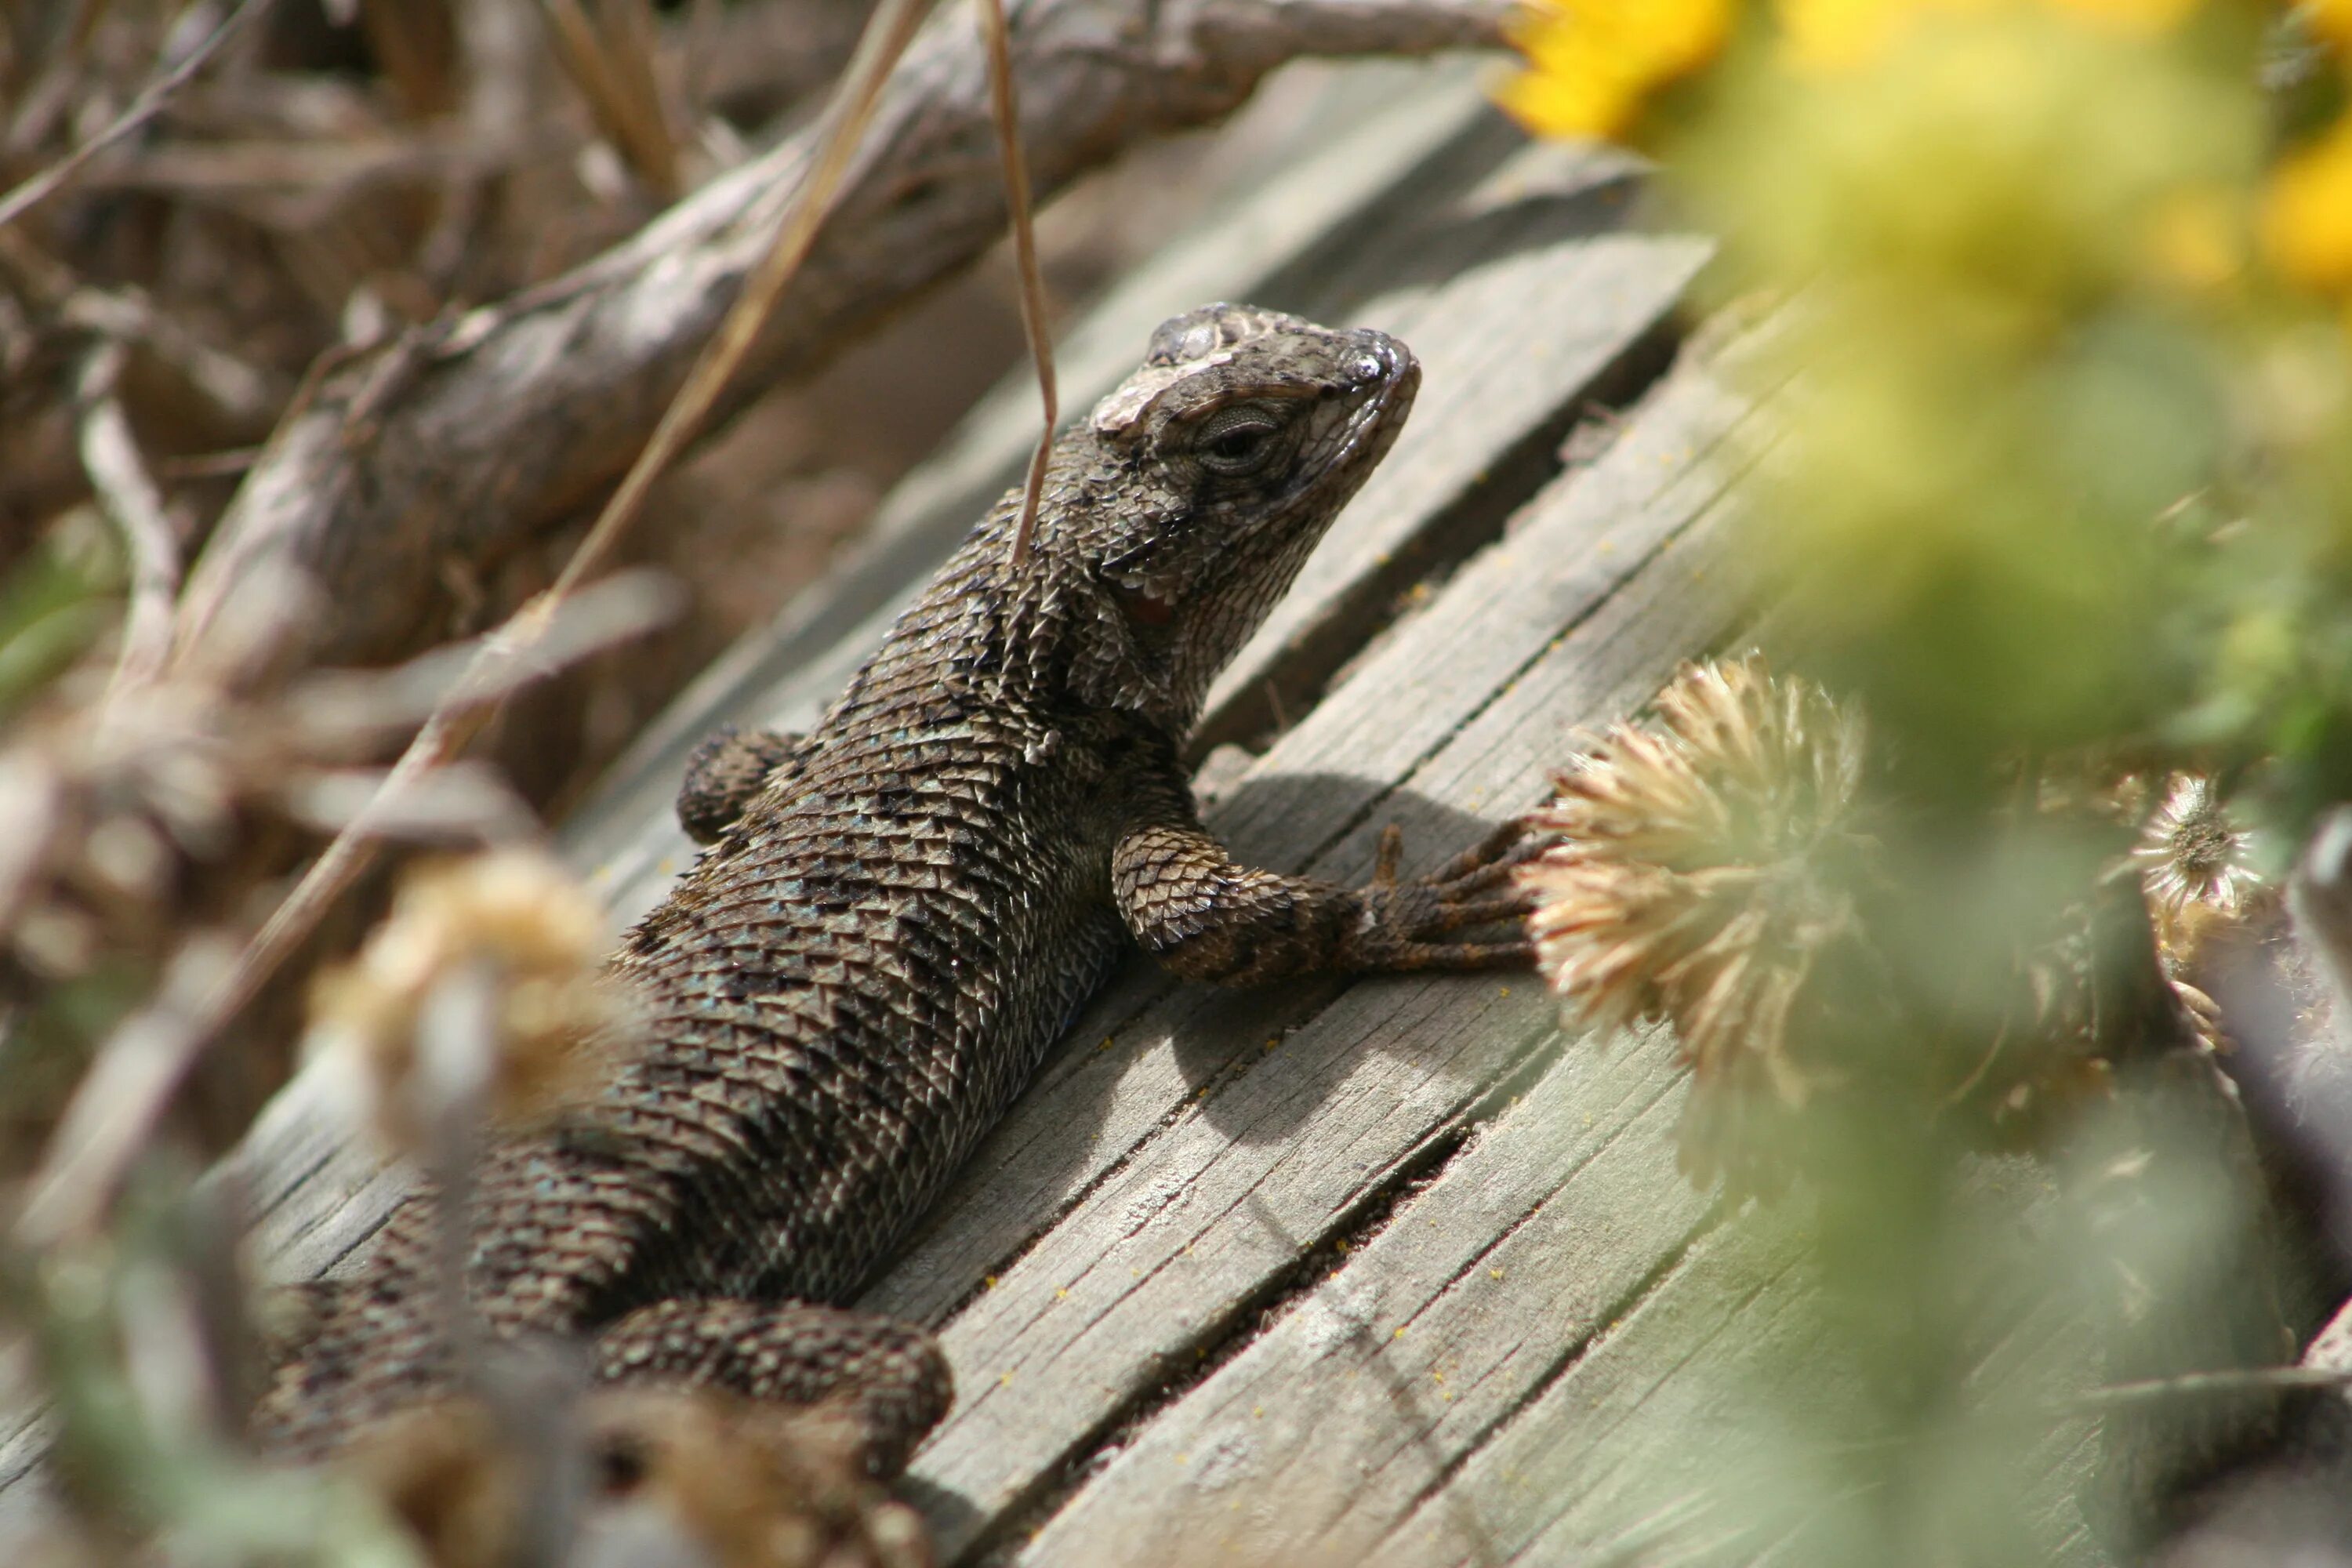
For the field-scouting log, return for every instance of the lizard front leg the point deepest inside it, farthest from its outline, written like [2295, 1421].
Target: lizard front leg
[724, 772]
[1208, 919]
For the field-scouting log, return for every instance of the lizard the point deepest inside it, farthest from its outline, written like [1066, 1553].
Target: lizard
[896, 915]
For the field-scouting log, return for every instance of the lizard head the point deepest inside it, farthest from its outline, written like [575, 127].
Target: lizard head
[1184, 507]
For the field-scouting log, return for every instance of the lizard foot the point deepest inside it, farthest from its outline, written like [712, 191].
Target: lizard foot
[1399, 919]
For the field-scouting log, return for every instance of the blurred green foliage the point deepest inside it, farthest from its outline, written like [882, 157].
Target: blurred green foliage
[2060, 486]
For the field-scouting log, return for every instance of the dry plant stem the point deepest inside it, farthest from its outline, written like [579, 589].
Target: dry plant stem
[613, 66]
[143, 107]
[2232, 1381]
[1005, 105]
[521, 411]
[120, 1097]
[887, 33]
[454, 1043]
[128, 1088]
[464, 715]
[128, 496]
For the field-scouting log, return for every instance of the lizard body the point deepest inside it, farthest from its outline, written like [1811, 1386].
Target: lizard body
[899, 912]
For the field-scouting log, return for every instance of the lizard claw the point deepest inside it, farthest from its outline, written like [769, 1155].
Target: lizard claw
[1399, 920]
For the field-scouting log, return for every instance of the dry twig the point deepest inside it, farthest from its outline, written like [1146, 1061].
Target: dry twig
[1005, 105]
[150, 101]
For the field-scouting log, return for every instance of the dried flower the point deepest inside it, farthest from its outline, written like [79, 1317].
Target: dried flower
[2191, 852]
[2218, 920]
[1704, 866]
[559, 1019]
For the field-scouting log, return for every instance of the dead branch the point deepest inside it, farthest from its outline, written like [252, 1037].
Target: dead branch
[459, 442]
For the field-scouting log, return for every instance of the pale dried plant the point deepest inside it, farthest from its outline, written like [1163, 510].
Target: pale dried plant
[1701, 867]
[558, 1024]
[2192, 851]
[2214, 913]
[1704, 863]
[675, 1474]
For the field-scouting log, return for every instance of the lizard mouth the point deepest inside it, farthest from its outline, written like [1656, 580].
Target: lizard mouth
[1144, 607]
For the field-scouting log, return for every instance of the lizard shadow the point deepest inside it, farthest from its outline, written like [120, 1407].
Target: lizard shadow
[1253, 1093]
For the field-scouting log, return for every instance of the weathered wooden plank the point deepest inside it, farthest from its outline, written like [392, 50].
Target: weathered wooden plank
[1364, 1396]
[1620, 1459]
[1691, 1430]
[1167, 1252]
[1199, 1224]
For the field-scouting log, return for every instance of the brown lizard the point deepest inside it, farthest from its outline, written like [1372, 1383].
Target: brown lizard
[899, 911]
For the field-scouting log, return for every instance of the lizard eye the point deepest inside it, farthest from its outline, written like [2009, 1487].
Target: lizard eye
[1237, 441]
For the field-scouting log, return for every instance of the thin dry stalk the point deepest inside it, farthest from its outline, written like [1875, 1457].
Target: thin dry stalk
[464, 714]
[610, 59]
[416, 43]
[128, 496]
[122, 1096]
[1005, 107]
[142, 109]
[137, 1074]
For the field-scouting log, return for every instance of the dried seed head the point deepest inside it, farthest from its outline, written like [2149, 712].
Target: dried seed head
[677, 1473]
[753, 1486]
[2214, 914]
[559, 1020]
[1706, 865]
[2191, 852]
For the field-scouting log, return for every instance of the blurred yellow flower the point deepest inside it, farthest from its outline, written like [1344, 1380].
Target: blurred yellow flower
[2331, 19]
[2307, 213]
[2193, 239]
[1831, 36]
[1843, 35]
[1592, 64]
[2127, 15]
